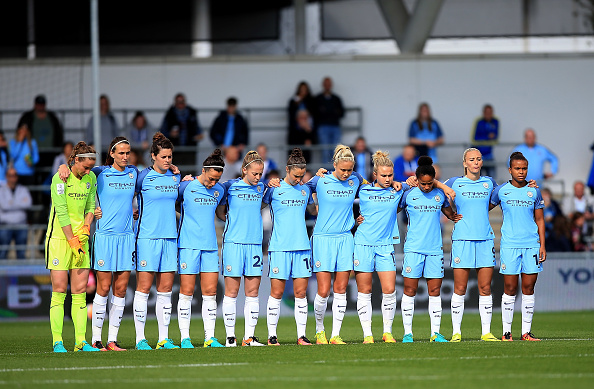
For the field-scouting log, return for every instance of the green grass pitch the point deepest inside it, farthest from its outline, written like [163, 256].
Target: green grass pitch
[564, 359]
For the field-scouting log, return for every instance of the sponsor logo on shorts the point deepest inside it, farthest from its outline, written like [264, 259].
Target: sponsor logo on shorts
[408, 269]
[529, 194]
[356, 262]
[228, 268]
[101, 262]
[183, 265]
[457, 260]
[485, 185]
[318, 263]
[60, 189]
[351, 183]
[303, 192]
[503, 266]
[143, 263]
[275, 270]
[88, 185]
[55, 262]
[216, 193]
[437, 199]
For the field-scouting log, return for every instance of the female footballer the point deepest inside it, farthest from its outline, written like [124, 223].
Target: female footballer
[522, 243]
[156, 241]
[242, 247]
[198, 249]
[289, 252]
[423, 255]
[66, 247]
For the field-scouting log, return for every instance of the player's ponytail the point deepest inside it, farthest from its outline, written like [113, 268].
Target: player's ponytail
[160, 142]
[343, 153]
[252, 157]
[214, 161]
[517, 156]
[116, 141]
[468, 150]
[381, 158]
[82, 151]
[296, 159]
[425, 167]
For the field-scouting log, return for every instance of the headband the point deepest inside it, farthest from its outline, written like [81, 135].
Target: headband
[258, 159]
[213, 167]
[123, 140]
[87, 155]
[297, 164]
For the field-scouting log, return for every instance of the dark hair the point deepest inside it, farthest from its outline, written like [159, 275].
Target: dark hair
[517, 156]
[160, 142]
[81, 148]
[214, 159]
[137, 115]
[429, 118]
[425, 167]
[109, 159]
[299, 87]
[231, 101]
[487, 106]
[296, 159]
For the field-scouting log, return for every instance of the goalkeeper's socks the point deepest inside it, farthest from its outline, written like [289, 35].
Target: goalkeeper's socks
[57, 315]
[79, 316]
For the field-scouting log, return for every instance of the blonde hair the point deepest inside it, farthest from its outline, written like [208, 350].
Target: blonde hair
[251, 156]
[468, 150]
[343, 153]
[381, 158]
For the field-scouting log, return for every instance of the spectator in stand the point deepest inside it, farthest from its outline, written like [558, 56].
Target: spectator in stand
[108, 125]
[180, 123]
[140, 134]
[301, 125]
[577, 234]
[232, 164]
[230, 128]
[44, 125]
[269, 164]
[559, 239]
[328, 111]
[537, 155]
[4, 157]
[24, 155]
[551, 210]
[363, 162]
[136, 159]
[406, 164]
[61, 159]
[591, 176]
[485, 134]
[15, 199]
[584, 204]
[425, 133]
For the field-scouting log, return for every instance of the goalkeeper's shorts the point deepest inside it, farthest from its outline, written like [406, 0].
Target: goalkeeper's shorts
[59, 256]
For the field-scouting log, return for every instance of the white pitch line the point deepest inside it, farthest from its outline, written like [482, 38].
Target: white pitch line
[123, 367]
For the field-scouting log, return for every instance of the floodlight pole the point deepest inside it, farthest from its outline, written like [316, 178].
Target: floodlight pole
[95, 74]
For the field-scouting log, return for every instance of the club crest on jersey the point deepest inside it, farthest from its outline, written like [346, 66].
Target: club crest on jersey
[503, 266]
[356, 262]
[101, 262]
[228, 268]
[174, 178]
[216, 193]
[408, 269]
[259, 188]
[143, 263]
[485, 185]
[183, 265]
[457, 260]
[351, 183]
[303, 192]
[88, 185]
[529, 194]
[55, 262]
[318, 263]
[275, 270]
[131, 176]
[392, 190]
[437, 199]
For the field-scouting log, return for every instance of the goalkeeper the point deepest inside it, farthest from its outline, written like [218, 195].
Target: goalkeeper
[67, 248]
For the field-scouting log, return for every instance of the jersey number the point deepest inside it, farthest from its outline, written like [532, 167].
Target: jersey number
[258, 262]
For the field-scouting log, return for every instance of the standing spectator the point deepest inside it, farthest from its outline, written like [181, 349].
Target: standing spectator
[15, 199]
[328, 112]
[485, 134]
[61, 159]
[24, 155]
[108, 126]
[537, 155]
[4, 157]
[406, 164]
[591, 176]
[232, 164]
[363, 162]
[301, 126]
[269, 164]
[230, 128]
[180, 123]
[425, 133]
[44, 124]
[140, 133]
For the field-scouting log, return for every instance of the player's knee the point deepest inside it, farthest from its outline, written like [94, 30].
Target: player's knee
[434, 292]
[410, 291]
[485, 290]
[527, 289]
[187, 290]
[460, 290]
[387, 289]
[276, 294]
[510, 289]
[364, 289]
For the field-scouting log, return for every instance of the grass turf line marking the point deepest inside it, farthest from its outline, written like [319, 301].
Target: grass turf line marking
[221, 364]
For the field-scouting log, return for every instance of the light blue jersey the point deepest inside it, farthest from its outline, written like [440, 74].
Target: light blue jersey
[424, 227]
[335, 199]
[115, 192]
[287, 208]
[197, 222]
[244, 220]
[379, 207]
[519, 230]
[157, 194]
[472, 202]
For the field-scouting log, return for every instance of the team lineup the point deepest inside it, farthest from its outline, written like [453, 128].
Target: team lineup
[158, 245]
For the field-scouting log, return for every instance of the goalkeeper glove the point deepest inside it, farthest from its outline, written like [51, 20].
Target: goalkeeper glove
[84, 233]
[77, 250]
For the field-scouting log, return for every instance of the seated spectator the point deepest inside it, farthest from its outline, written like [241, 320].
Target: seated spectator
[4, 157]
[551, 210]
[269, 164]
[425, 133]
[136, 159]
[108, 126]
[581, 202]
[485, 134]
[305, 124]
[24, 155]
[406, 164]
[591, 176]
[44, 125]
[577, 234]
[140, 134]
[232, 164]
[230, 128]
[363, 162]
[559, 238]
[62, 158]
[15, 199]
